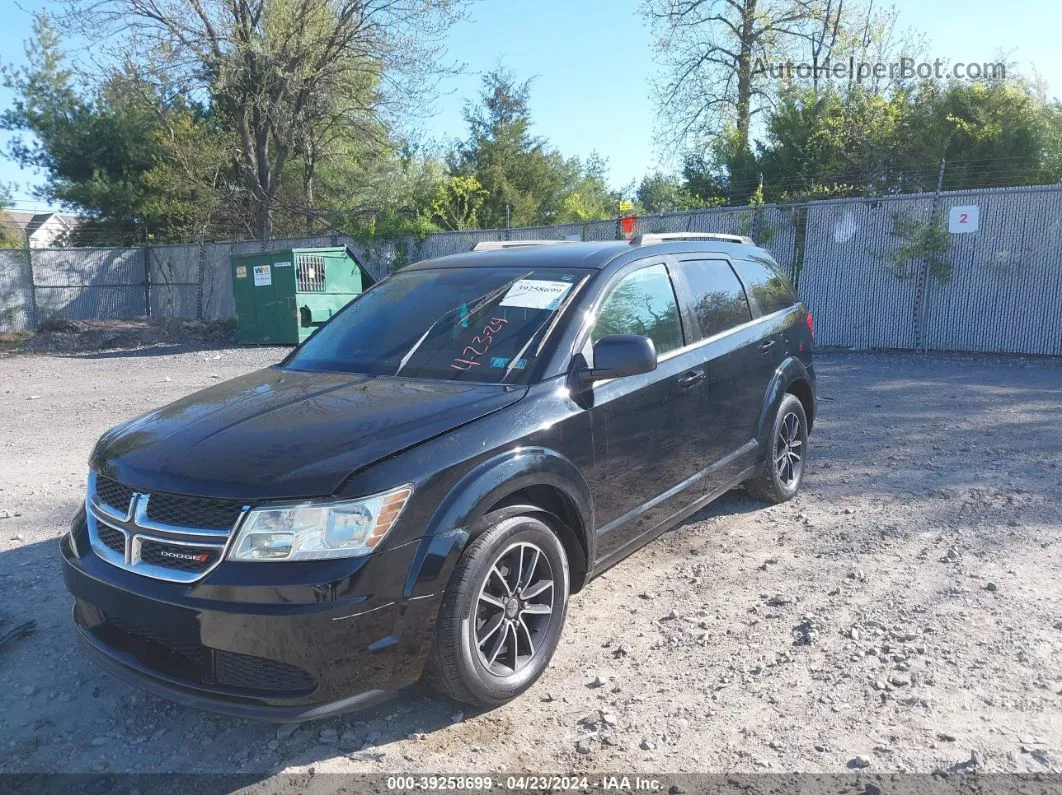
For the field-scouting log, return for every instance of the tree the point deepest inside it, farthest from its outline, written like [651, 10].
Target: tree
[991, 134]
[116, 152]
[390, 195]
[590, 197]
[458, 203]
[526, 181]
[283, 77]
[9, 236]
[713, 53]
[864, 142]
[825, 143]
[663, 193]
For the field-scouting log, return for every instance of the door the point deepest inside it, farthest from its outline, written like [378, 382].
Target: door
[649, 461]
[738, 371]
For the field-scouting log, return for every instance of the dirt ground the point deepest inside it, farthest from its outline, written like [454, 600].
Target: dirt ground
[903, 613]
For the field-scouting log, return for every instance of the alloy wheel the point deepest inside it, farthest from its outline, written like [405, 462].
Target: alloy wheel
[514, 608]
[788, 451]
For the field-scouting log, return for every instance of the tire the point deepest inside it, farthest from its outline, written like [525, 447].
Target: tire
[779, 480]
[468, 661]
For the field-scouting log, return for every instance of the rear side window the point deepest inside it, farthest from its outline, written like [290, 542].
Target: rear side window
[718, 298]
[769, 288]
[642, 303]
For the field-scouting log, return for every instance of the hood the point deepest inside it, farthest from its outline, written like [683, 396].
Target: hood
[286, 433]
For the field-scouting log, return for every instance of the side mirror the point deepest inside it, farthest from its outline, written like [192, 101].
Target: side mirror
[619, 355]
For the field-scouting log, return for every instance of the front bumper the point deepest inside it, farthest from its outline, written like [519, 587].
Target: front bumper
[233, 645]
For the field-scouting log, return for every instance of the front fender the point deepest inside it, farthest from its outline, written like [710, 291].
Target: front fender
[791, 369]
[459, 517]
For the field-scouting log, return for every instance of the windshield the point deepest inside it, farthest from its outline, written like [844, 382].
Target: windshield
[458, 324]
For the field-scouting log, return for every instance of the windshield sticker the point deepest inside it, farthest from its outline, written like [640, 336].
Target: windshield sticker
[536, 294]
[479, 345]
[498, 362]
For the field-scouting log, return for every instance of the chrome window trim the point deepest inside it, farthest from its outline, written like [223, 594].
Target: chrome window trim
[723, 334]
[706, 341]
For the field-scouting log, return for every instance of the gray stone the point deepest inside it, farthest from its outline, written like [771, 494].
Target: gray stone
[285, 731]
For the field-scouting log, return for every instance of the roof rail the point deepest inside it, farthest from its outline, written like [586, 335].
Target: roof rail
[498, 245]
[667, 237]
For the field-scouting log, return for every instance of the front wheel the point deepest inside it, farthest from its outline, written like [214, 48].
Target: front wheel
[787, 449]
[502, 615]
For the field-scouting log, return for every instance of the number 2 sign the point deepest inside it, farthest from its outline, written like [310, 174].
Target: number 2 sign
[964, 219]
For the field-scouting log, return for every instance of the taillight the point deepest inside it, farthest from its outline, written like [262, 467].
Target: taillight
[811, 323]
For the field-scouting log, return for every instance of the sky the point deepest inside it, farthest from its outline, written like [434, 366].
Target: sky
[591, 62]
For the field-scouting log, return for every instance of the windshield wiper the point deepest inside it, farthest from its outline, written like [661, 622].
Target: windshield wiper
[478, 304]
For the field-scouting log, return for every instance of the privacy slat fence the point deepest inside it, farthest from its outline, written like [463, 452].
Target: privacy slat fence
[995, 290]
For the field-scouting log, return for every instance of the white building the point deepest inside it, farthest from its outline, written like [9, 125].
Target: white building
[44, 230]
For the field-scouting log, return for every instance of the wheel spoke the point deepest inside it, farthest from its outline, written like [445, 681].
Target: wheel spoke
[538, 610]
[515, 650]
[525, 579]
[527, 634]
[497, 573]
[531, 591]
[491, 599]
[494, 623]
[498, 644]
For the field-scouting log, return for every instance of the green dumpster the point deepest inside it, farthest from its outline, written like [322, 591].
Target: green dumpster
[284, 296]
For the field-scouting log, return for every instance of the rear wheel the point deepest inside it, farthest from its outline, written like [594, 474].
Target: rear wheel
[502, 615]
[787, 448]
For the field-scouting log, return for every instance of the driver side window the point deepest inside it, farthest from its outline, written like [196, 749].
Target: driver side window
[644, 303]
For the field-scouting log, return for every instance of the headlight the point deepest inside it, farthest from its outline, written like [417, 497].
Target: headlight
[314, 531]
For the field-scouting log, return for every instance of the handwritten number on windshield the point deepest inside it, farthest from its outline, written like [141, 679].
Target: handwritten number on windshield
[483, 340]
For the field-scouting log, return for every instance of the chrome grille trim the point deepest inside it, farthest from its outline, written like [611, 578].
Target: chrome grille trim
[101, 549]
[108, 512]
[135, 521]
[142, 520]
[161, 572]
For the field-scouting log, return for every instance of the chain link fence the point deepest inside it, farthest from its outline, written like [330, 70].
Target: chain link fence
[877, 272]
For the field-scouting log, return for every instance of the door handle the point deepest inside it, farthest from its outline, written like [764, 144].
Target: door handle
[691, 378]
[765, 346]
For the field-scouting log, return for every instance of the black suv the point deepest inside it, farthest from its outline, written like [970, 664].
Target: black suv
[416, 490]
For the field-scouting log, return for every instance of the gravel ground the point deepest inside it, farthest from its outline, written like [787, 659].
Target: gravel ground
[903, 613]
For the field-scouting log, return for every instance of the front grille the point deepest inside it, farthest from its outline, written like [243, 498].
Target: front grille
[114, 494]
[258, 673]
[193, 512]
[180, 557]
[111, 538]
[167, 536]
